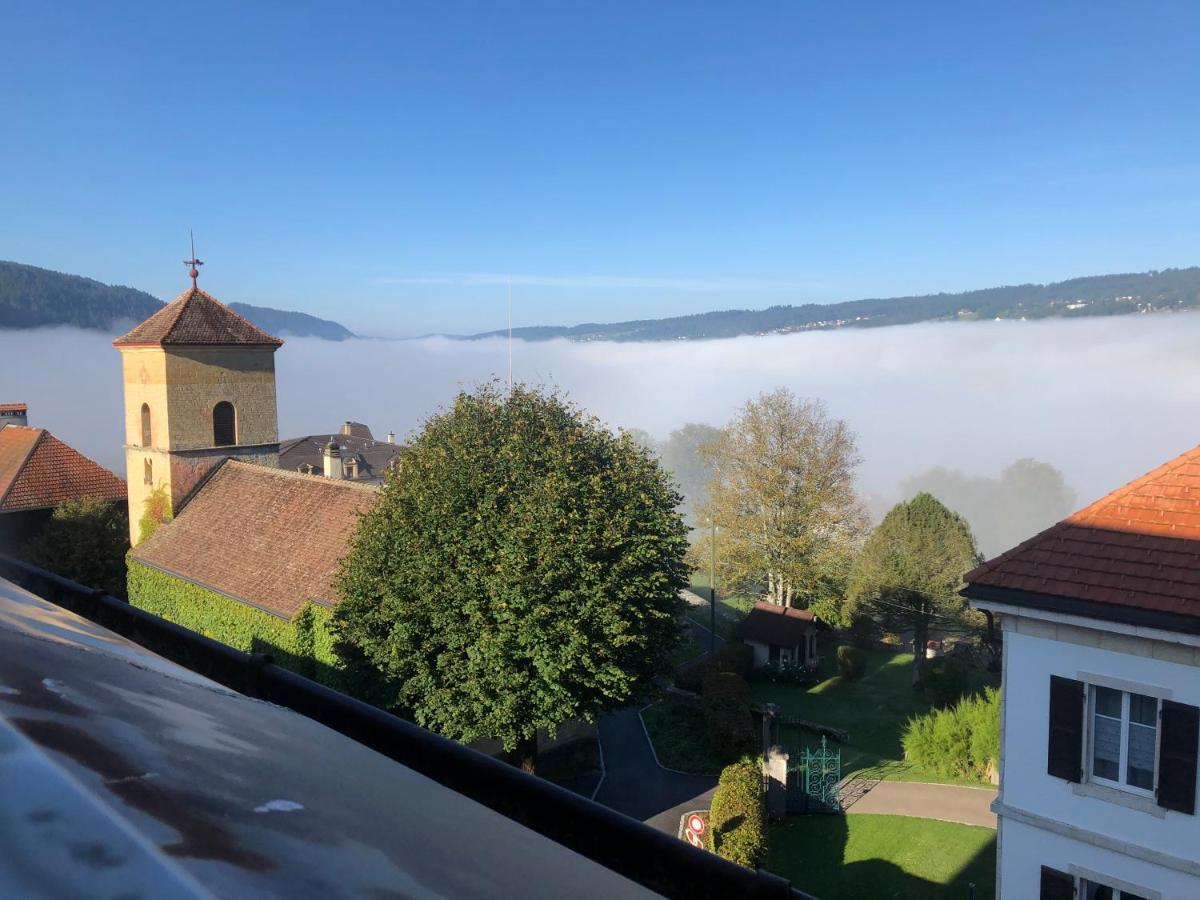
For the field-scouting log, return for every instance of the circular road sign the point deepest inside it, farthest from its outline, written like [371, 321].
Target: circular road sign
[696, 824]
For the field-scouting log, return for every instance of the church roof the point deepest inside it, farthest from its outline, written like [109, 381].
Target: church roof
[263, 536]
[196, 317]
[1131, 555]
[38, 471]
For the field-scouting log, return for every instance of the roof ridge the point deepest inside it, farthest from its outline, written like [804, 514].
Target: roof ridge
[287, 473]
[1153, 475]
[24, 460]
[183, 300]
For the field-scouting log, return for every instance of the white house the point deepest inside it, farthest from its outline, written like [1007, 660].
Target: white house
[1101, 626]
[781, 634]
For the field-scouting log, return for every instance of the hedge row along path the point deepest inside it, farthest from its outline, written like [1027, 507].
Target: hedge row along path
[946, 802]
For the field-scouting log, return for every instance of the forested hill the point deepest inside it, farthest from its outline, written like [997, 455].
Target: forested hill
[31, 298]
[1099, 295]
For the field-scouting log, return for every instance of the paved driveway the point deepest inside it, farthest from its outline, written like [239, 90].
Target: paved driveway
[636, 785]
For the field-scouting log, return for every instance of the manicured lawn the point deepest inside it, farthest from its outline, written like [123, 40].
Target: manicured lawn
[848, 857]
[873, 709]
[680, 738]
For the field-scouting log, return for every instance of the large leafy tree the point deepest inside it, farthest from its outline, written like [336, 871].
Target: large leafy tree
[521, 569]
[84, 540]
[910, 571]
[782, 494]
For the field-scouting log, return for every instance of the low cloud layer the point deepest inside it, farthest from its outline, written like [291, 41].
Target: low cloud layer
[1102, 400]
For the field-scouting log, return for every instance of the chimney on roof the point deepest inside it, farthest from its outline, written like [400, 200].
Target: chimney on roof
[332, 456]
[13, 414]
[391, 437]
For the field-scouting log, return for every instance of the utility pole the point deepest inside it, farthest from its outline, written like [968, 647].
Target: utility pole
[712, 588]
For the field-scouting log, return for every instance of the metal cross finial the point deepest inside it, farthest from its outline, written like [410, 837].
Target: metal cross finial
[193, 262]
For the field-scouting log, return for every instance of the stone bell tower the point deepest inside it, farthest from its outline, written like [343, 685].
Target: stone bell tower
[199, 387]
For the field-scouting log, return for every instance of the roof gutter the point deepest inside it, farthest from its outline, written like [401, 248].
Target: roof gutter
[623, 845]
[1090, 609]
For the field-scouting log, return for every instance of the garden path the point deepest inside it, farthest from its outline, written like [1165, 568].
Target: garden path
[947, 802]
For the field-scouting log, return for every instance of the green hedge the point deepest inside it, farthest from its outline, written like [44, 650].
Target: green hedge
[304, 645]
[962, 740]
[736, 821]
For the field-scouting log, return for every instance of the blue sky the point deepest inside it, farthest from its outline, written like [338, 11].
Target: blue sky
[390, 165]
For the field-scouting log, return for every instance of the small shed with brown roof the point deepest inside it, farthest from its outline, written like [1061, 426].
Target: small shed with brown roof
[1131, 557]
[782, 635]
[262, 536]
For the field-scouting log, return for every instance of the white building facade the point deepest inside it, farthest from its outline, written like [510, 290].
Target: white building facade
[1100, 726]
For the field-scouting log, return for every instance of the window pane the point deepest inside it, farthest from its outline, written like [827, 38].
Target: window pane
[1140, 770]
[1106, 747]
[1108, 702]
[1143, 710]
[1093, 891]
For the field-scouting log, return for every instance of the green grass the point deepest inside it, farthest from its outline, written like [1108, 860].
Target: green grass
[731, 609]
[873, 710]
[680, 738]
[848, 857]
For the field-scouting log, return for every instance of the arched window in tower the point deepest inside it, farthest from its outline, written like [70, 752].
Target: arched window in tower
[224, 425]
[146, 434]
[148, 472]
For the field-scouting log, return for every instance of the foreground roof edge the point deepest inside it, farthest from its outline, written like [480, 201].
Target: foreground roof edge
[623, 845]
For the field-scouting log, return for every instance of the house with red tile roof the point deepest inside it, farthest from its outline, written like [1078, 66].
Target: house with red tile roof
[1100, 729]
[38, 473]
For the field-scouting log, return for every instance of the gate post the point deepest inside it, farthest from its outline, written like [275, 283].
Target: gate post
[775, 770]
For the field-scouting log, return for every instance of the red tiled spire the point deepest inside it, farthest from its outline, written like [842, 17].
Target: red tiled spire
[196, 317]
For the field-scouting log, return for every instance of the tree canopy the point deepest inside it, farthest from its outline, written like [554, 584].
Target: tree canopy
[521, 569]
[910, 571]
[782, 494]
[85, 540]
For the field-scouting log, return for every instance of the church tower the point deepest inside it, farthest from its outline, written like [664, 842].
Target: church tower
[199, 387]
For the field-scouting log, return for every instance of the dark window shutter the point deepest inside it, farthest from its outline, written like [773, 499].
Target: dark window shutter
[1057, 885]
[1064, 756]
[1177, 757]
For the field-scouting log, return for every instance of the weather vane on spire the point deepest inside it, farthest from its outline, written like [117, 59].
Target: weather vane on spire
[195, 264]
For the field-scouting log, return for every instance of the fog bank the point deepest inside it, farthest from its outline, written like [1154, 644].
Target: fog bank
[1103, 400]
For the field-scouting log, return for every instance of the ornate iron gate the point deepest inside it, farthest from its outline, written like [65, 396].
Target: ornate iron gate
[814, 781]
[823, 777]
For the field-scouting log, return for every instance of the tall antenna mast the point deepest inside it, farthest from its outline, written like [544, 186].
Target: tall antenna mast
[510, 335]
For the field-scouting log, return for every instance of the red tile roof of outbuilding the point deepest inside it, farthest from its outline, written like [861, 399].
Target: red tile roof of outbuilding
[1138, 547]
[195, 317]
[783, 626]
[14, 407]
[37, 471]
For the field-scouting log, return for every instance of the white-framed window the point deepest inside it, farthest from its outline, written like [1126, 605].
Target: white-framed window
[1094, 890]
[1122, 739]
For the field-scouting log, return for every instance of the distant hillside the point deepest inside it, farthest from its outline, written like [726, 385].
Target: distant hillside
[1099, 295]
[297, 324]
[31, 298]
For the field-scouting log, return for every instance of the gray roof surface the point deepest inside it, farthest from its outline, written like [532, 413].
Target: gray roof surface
[206, 790]
[373, 456]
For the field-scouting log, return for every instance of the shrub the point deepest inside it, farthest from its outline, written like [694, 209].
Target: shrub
[731, 731]
[736, 823]
[852, 662]
[86, 541]
[962, 740]
[777, 673]
[863, 632]
[690, 677]
[736, 658]
[155, 511]
[946, 681]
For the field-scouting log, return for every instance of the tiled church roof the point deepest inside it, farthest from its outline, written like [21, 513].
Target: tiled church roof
[263, 536]
[37, 471]
[195, 317]
[1137, 548]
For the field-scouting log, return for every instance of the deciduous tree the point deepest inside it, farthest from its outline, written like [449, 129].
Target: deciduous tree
[521, 569]
[782, 494]
[910, 571]
[85, 540]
